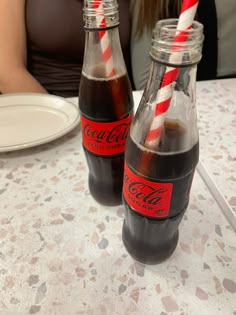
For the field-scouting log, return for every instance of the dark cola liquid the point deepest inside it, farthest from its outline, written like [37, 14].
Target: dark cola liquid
[105, 101]
[147, 239]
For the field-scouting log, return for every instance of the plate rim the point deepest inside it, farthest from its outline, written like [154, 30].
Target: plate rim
[61, 133]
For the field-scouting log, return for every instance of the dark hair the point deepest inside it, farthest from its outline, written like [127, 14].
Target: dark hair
[150, 11]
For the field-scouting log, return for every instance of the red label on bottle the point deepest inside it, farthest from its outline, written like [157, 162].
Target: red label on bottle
[145, 196]
[105, 138]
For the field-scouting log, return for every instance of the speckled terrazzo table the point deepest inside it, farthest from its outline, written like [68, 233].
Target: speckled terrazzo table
[61, 252]
[217, 126]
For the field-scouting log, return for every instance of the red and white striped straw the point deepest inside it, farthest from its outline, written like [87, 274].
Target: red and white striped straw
[188, 11]
[104, 38]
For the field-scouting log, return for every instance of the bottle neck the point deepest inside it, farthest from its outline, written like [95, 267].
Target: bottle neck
[179, 118]
[166, 119]
[185, 82]
[176, 47]
[175, 54]
[103, 56]
[100, 14]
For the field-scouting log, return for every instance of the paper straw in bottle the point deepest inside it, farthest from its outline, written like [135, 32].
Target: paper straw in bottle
[164, 95]
[117, 91]
[104, 38]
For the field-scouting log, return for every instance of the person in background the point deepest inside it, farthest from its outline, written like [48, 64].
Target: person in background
[219, 47]
[42, 45]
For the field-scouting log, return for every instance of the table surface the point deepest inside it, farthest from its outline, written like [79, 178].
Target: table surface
[62, 253]
[217, 127]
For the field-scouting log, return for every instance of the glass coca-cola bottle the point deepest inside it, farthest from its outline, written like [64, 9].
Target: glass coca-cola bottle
[105, 101]
[162, 149]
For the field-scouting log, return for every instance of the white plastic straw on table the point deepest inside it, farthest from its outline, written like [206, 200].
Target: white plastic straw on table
[164, 95]
[104, 38]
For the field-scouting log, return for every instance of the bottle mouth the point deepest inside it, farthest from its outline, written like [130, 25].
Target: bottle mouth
[100, 14]
[184, 46]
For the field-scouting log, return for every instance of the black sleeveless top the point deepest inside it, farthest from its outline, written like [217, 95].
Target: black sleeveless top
[55, 41]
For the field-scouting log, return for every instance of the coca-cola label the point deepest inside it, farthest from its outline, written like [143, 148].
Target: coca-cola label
[105, 138]
[145, 196]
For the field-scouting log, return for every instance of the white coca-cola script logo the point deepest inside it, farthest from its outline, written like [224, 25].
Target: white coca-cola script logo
[116, 134]
[144, 192]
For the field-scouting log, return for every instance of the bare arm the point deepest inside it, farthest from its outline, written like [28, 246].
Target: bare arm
[14, 76]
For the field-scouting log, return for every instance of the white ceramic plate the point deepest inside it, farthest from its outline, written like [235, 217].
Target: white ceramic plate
[27, 120]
